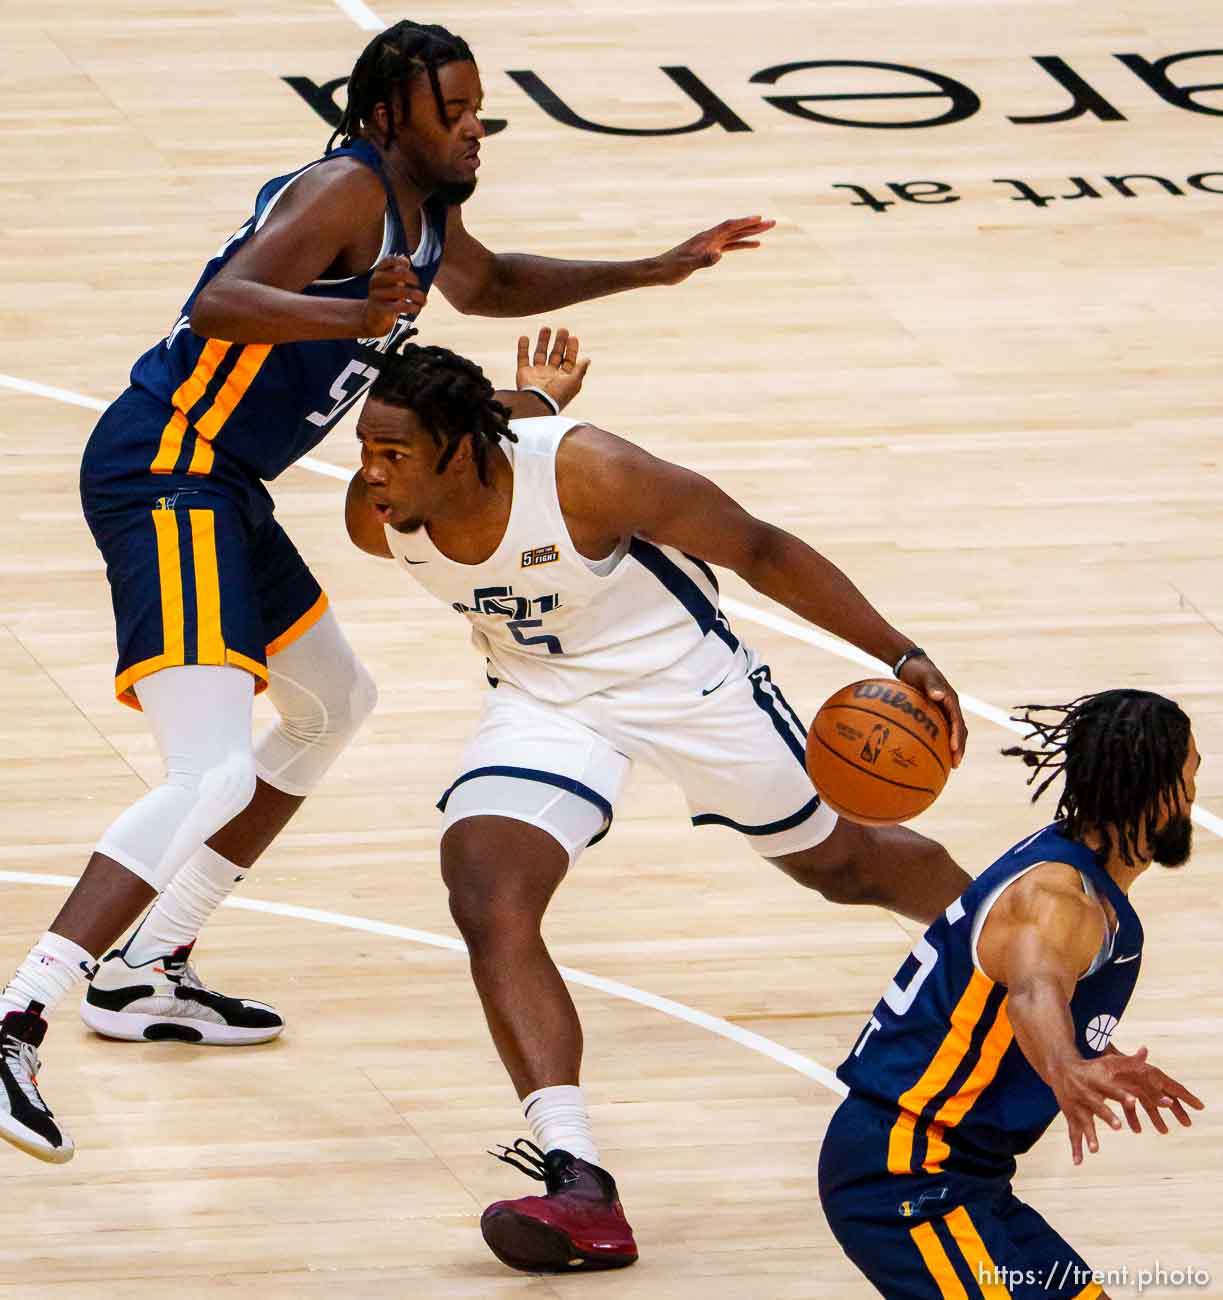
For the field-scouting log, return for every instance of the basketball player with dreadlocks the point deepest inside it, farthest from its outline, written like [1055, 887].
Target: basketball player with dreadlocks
[1003, 1015]
[583, 566]
[212, 601]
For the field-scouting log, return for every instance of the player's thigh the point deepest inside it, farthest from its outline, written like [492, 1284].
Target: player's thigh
[180, 567]
[995, 1246]
[290, 599]
[739, 759]
[528, 763]
[1056, 1268]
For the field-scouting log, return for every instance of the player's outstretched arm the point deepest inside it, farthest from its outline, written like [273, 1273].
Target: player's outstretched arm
[320, 224]
[1040, 937]
[636, 493]
[478, 282]
[364, 527]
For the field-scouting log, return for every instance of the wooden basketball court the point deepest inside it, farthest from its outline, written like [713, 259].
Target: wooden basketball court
[999, 413]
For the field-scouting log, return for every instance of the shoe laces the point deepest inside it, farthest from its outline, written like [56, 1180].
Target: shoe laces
[529, 1159]
[183, 973]
[24, 1065]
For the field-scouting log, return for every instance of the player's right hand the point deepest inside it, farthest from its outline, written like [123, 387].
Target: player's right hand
[393, 291]
[559, 373]
[922, 673]
[1085, 1088]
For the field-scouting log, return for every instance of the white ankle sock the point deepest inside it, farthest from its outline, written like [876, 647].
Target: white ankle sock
[558, 1118]
[54, 965]
[178, 916]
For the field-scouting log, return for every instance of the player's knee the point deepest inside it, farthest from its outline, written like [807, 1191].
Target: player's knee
[330, 711]
[362, 698]
[224, 789]
[492, 902]
[839, 877]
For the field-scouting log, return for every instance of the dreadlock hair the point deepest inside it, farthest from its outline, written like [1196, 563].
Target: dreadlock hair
[1123, 755]
[450, 396]
[388, 63]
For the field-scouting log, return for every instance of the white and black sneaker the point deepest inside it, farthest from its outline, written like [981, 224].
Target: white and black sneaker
[25, 1119]
[164, 1000]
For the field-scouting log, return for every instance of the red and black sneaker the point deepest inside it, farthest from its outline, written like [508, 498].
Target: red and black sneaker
[578, 1224]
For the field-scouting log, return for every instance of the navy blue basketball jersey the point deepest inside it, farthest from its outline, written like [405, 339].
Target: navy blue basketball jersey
[940, 1050]
[266, 405]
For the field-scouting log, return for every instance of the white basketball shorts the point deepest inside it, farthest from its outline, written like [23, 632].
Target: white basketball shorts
[736, 751]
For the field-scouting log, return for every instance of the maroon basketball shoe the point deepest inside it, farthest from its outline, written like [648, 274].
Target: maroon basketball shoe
[577, 1225]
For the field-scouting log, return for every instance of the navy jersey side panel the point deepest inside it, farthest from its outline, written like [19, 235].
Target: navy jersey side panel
[256, 408]
[939, 1050]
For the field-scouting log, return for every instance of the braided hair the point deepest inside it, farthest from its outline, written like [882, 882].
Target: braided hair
[1122, 753]
[450, 396]
[388, 63]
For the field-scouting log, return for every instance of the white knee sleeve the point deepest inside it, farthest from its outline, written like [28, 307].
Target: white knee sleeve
[201, 718]
[323, 694]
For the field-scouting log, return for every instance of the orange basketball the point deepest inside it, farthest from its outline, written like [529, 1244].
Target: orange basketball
[879, 752]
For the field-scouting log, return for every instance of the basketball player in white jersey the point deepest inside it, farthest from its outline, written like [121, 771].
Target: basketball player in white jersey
[583, 565]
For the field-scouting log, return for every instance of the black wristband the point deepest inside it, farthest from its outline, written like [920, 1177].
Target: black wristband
[913, 652]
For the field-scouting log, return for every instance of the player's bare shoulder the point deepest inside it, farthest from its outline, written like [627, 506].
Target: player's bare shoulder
[1047, 904]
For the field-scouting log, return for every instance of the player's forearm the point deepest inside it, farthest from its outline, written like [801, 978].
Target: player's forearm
[1039, 1013]
[522, 284]
[244, 311]
[800, 578]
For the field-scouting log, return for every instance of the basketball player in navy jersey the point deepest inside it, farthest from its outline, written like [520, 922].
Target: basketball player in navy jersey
[212, 601]
[583, 565]
[1004, 1014]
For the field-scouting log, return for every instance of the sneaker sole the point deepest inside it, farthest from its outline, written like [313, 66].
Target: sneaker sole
[35, 1146]
[130, 1027]
[530, 1246]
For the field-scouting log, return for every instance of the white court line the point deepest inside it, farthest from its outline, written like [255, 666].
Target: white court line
[362, 15]
[613, 988]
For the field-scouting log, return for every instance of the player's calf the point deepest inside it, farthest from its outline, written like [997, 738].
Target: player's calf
[888, 866]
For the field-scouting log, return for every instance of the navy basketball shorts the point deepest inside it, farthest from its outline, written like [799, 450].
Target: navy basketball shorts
[200, 571]
[937, 1236]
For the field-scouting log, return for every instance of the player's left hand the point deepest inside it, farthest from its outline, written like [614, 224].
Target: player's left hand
[923, 674]
[559, 373]
[706, 249]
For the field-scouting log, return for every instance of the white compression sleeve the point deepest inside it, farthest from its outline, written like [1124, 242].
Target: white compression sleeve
[323, 694]
[201, 718]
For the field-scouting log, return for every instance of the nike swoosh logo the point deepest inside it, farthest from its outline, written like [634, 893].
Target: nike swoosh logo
[722, 683]
[1120, 961]
[407, 561]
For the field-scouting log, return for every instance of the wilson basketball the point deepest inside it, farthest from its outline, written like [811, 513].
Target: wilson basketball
[879, 752]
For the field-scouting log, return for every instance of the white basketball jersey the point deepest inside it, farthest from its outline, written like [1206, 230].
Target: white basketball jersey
[547, 621]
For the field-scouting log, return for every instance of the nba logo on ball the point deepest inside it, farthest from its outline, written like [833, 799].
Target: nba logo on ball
[1099, 1030]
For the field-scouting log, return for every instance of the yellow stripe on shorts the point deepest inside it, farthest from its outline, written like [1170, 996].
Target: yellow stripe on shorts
[169, 574]
[936, 1261]
[210, 643]
[966, 1236]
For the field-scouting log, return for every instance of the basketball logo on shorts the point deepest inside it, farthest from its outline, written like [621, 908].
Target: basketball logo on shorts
[1099, 1031]
[875, 743]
